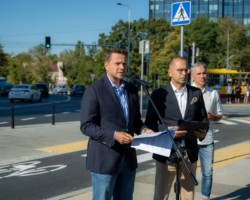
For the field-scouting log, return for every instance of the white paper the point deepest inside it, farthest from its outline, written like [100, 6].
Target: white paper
[158, 143]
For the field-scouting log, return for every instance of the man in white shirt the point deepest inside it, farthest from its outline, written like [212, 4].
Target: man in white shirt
[214, 112]
[229, 91]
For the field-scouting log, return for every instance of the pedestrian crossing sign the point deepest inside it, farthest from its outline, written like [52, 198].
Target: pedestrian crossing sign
[180, 14]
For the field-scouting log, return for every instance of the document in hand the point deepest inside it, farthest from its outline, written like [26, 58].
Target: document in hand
[158, 143]
[192, 126]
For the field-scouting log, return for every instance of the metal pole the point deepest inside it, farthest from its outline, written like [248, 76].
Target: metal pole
[128, 48]
[182, 41]
[128, 40]
[142, 58]
[193, 52]
[53, 114]
[12, 117]
[227, 48]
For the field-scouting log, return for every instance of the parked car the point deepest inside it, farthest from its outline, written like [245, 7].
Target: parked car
[5, 89]
[77, 89]
[25, 92]
[44, 89]
[60, 89]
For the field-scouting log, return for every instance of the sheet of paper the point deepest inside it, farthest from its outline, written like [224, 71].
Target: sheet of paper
[158, 143]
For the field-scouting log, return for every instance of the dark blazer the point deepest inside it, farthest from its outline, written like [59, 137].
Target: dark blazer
[166, 102]
[101, 116]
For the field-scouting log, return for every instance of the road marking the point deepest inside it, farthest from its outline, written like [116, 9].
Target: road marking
[144, 157]
[49, 115]
[65, 112]
[66, 148]
[240, 120]
[27, 119]
[4, 122]
[227, 122]
[231, 154]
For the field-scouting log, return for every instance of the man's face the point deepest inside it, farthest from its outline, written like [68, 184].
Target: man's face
[199, 76]
[178, 71]
[116, 67]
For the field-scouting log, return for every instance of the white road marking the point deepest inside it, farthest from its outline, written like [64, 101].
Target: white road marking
[4, 122]
[240, 120]
[26, 119]
[227, 122]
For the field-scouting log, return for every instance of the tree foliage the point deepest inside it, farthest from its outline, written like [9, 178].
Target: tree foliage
[215, 40]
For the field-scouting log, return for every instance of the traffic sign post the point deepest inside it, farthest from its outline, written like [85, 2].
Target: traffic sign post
[180, 15]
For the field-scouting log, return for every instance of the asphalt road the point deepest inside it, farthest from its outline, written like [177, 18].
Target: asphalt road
[55, 175]
[62, 107]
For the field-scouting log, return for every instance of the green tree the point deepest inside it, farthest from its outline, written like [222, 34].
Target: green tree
[204, 34]
[3, 62]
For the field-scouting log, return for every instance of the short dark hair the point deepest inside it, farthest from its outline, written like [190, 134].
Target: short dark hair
[115, 50]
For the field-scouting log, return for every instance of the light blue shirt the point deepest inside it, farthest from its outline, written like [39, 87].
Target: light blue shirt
[121, 94]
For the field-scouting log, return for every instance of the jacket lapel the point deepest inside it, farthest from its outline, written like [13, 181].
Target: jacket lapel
[189, 98]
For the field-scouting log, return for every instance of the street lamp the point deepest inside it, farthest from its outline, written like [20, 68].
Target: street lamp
[121, 4]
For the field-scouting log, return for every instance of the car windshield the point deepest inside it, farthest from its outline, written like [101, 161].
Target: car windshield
[22, 86]
[41, 86]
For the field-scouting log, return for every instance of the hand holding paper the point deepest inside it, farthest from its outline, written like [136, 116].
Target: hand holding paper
[158, 143]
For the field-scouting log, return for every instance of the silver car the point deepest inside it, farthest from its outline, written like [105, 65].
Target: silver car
[24, 92]
[60, 89]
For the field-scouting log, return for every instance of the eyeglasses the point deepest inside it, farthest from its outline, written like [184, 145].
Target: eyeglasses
[180, 71]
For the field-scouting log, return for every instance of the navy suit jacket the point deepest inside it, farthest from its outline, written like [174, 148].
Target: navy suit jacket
[101, 116]
[166, 102]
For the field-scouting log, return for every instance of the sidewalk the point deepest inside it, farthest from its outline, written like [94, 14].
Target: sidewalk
[231, 182]
[231, 175]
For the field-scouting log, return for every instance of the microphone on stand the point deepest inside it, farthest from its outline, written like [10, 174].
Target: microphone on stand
[134, 79]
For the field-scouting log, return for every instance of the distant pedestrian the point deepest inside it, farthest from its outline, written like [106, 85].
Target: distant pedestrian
[237, 93]
[246, 94]
[229, 92]
[217, 87]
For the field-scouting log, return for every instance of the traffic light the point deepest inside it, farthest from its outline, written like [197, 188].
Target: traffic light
[47, 42]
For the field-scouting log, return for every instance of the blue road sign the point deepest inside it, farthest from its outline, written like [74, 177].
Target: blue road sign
[180, 14]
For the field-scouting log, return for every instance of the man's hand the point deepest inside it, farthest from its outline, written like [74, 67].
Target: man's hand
[123, 137]
[180, 133]
[147, 131]
[201, 133]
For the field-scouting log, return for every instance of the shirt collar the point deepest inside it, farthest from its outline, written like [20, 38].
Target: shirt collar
[184, 89]
[204, 90]
[114, 86]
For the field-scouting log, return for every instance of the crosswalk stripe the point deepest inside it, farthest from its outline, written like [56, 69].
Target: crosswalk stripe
[227, 122]
[26, 119]
[240, 120]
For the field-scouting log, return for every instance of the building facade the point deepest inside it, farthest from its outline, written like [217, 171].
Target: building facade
[239, 10]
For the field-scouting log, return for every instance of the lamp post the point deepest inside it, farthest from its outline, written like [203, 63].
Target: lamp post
[121, 4]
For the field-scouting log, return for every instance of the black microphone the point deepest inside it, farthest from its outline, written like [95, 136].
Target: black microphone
[135, 80]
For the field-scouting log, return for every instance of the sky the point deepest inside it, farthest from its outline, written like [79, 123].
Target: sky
[25, 23]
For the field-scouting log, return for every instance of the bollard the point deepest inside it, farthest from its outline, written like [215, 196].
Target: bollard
[53, 113]
[12, 117]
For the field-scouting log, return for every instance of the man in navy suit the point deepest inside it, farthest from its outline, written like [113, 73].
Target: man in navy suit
[177, 102]
[110, 116]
